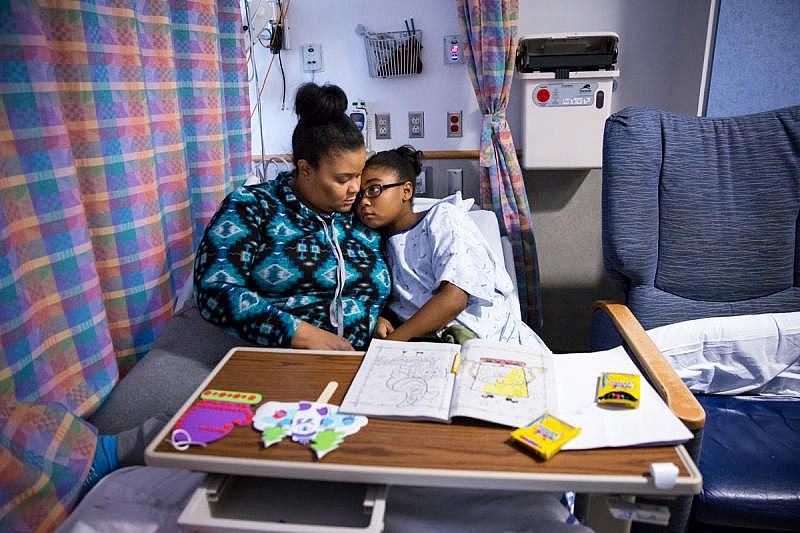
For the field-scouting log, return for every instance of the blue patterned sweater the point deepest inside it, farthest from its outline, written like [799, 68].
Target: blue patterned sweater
[267, 261]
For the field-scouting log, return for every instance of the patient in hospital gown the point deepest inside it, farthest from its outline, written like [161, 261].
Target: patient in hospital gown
[443, 270]
[444, 273]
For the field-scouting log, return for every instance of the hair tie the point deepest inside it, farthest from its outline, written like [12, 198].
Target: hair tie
[183, 444]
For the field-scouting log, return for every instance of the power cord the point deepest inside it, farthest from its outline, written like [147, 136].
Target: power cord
[283, 77]
[276, 45]
[276, 39]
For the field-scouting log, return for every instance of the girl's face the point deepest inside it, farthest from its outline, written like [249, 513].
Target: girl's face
[334, 184]
[392, 203]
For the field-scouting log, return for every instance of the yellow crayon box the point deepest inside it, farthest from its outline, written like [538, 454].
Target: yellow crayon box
[618, 389]
[545, 435]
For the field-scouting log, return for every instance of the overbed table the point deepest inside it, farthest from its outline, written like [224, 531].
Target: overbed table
[394, 452]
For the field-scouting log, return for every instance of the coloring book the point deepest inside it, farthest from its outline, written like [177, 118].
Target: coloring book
[501, 383]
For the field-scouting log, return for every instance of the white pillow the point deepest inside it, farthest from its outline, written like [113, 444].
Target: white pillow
[737, 354]
[423, 204]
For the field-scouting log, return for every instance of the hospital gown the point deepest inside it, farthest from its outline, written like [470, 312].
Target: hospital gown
[446, 245]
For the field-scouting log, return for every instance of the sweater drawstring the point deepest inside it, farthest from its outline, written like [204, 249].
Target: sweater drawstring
[336, 307]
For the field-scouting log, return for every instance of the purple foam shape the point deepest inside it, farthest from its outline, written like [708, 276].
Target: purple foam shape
[210, 420]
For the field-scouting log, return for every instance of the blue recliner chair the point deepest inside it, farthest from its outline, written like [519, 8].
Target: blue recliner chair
[700, 219]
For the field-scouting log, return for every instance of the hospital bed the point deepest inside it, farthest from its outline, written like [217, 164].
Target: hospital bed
[139, 498]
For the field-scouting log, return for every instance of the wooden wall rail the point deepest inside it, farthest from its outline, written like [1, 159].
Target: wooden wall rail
[428, 154]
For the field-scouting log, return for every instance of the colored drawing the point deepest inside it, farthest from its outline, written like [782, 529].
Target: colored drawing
[209, 420]
[499, 377]
[317, 424]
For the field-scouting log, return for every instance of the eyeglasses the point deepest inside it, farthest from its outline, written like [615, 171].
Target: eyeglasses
[373, 191]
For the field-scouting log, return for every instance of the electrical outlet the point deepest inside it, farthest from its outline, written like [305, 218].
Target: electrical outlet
[454, 124]
[416, 124]
[383, 126]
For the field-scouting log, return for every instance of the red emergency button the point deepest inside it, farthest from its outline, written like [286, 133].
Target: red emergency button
[543, 95]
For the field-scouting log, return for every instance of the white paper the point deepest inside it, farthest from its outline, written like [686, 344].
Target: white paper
[606, 426]
[415, 380]
[503, 383]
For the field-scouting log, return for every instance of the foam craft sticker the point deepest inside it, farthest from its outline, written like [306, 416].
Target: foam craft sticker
[209, 420]
[231, 396]
[318, 424]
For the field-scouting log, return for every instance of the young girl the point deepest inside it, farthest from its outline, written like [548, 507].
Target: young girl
[443, 271]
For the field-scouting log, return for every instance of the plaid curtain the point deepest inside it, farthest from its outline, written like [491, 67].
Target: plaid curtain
[122, 126]
[491, 30]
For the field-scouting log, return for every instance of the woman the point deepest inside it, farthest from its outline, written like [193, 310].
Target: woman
[280, 264]
[285, 263]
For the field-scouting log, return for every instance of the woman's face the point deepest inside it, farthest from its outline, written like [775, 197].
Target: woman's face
[390, 205]
[333, 186]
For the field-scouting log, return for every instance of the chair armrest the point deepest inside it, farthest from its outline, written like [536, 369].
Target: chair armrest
[661, 375]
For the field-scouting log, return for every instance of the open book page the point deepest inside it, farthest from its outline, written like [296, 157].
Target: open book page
[403, 379]
[503, 383]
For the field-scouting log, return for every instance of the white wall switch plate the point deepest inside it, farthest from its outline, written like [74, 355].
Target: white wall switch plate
[455, 180]
[423, 186]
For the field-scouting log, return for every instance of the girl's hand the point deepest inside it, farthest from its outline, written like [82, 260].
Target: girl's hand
[312, 338]
[383, 328]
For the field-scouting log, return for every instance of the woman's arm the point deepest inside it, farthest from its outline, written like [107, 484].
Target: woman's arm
[312, 338]
[443, 307]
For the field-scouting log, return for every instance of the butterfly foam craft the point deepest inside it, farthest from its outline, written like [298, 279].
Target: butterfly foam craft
[317, 424]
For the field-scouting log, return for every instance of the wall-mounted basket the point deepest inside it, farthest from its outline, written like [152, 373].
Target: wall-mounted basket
[392, 54]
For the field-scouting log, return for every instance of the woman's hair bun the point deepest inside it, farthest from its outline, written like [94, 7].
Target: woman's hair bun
[316, 104]
[412, 156]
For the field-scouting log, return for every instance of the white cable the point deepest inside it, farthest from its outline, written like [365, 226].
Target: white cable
[266, 176]
[289, 166]
[255, 73]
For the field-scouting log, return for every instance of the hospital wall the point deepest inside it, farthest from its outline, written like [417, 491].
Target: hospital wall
[662, 45]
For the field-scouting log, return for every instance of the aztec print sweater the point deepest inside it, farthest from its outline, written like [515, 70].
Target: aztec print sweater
[267, 261]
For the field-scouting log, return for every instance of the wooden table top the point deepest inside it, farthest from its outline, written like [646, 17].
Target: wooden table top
[464, 453]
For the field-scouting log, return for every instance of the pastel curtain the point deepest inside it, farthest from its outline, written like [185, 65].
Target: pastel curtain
[490, 27]
[122, 127]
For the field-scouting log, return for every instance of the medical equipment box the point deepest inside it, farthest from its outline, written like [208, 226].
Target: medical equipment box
[568, 80]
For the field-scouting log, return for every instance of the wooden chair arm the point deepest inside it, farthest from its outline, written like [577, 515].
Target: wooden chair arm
[659, 372]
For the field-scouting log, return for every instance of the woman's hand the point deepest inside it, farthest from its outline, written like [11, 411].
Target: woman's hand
[312, 338]
[383, 328]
